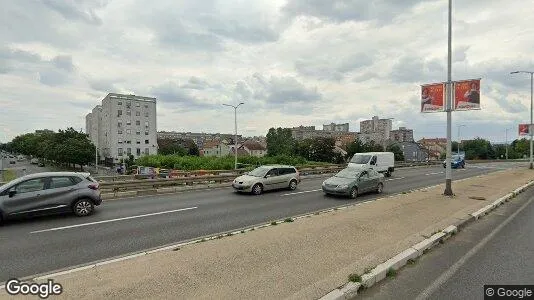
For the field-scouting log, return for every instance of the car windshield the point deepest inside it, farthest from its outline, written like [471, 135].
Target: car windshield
[348, 173]
[259, 172]
[360, 159]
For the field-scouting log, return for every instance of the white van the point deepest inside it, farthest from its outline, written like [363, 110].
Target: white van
[382, 162]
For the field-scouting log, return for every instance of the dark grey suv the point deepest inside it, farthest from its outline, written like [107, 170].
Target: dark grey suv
[50, 192]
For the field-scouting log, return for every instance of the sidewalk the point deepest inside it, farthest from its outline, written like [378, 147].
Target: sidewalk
[305, 259]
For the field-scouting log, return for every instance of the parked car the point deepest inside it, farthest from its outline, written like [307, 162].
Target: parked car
[268, 177]
[353, 182]
[457, 161]
[49, 192]
[12, 161]
[382, 162]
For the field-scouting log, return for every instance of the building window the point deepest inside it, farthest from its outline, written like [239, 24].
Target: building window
[129, 151]
[146, 114]
[120, 141]
[128, 104]
[138, 133]
[146, 124]
[119, 124]
[128, 112]
[146, 132]
[138, 151]
[119, 131]
[128, 131]
[137, 113]
[128, 142]
[128, 122]
[138, 123]
[146, 141]
[137, 104]
[119, 151]
[119, 103]
[146, 105]
[147, 152]
[119, 113]
[138, 142]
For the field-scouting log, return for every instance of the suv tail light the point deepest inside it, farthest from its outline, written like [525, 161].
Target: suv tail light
[94, 186]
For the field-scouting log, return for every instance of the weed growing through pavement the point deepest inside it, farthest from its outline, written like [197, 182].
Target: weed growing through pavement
[367, 270]
[426, 251]
[274, 223]
[289, 220]
[391, 272]
[411, 261]
[242, 231]
[355, 278]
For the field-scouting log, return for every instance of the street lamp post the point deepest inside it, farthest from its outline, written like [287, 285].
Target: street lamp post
[531, 165]
[506, 142]
[459, 140]
[448, 167]
[235, 132]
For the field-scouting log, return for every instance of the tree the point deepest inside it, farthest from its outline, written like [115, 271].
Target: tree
[171, 146]
[280, 141]
[397, 151]
[322, 149]
[372, 146]
[355, 147]
[478, 149]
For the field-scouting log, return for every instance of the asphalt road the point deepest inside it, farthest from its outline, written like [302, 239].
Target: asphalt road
[497, 249]
[126, 226]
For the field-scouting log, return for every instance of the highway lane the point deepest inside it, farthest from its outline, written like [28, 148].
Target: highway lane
[124, 226]
[496, 249]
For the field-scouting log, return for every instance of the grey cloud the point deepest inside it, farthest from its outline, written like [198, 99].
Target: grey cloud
[174, 34]
[349, 10]
[283, 90]
[103, 85]
[53, 77]
[171, 94]
[413, 69]
[77, 10]
[460, 54]
[239, 30]
[329, 68]
[63, 62]
[196, 83]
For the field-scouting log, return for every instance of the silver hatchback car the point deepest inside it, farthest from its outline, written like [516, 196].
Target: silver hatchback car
[50, 192]
[268, 177]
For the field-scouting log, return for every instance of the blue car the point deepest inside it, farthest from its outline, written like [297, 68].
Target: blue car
[456, 162]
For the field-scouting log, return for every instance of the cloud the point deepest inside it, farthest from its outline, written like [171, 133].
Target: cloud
[196, 83]
[77, 11]
[172, 95]
[332, 68]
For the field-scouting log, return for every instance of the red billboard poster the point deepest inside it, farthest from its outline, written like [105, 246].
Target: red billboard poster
[467, 95]
[523, 129]
[432, 97]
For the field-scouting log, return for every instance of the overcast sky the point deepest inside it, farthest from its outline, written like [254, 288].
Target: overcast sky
[298, 62]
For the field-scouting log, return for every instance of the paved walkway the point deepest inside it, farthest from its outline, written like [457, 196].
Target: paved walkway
[301, 260]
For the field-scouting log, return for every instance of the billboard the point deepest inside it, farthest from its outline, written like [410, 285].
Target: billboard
[467, 95]
[432, 97]
[523, 129]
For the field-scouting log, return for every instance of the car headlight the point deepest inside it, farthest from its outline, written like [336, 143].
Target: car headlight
[343, 186]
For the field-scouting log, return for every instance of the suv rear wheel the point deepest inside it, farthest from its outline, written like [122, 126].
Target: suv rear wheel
[83, 207]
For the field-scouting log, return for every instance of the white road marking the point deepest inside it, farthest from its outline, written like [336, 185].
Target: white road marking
[395, 178]
[115, 220]
[296, 193]
[436, 173]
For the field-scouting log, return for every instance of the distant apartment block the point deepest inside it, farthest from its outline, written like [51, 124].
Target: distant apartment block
[199, 138]
[376, 129]
[307, 132]
[222, 148]
[336, 127]
[123, 125]
[401, 135]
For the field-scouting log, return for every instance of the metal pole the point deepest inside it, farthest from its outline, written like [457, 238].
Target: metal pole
[459, 140]
[448, 170]
[235, 137]
[530, 127]
[96, 153]
[506, 143]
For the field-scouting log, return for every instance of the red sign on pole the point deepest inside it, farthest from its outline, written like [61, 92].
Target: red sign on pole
[432, 97]
[467, 95]
[523, 129]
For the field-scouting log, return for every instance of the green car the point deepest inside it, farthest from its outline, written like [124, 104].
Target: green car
[353, 182]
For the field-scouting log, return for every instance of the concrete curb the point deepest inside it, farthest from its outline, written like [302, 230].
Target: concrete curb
[350, 289]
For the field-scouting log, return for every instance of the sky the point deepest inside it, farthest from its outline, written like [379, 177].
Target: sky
[294, 62]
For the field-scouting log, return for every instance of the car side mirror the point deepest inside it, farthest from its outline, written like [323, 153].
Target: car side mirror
[268, 175]
[12, 193]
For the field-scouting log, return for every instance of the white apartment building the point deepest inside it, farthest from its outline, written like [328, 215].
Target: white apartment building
[123, 125]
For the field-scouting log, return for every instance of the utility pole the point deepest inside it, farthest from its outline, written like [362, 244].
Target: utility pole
[448, 169]
[235, 132]
[530, 127]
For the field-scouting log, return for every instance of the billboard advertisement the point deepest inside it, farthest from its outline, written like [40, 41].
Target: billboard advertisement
[433, 97]
[467, 95]
[523, 129]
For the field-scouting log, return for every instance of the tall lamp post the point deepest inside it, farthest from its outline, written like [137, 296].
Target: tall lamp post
[235, 135]
[448, 167]
[506, 142]
[530, 125]
[459, 140]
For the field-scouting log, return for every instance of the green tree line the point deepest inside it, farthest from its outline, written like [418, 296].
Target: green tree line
[66, 147]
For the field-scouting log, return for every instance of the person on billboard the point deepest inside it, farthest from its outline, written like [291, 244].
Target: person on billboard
[427, 101]
[473, 96]
[523, 130]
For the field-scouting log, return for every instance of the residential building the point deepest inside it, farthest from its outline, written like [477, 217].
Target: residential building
[413, 151]
[401, 135]
[254, 148]
[435, 146]
[198, 138]
[124, 125]
[307, 132]
[377, 130]
[336, 127]
[215, 148]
